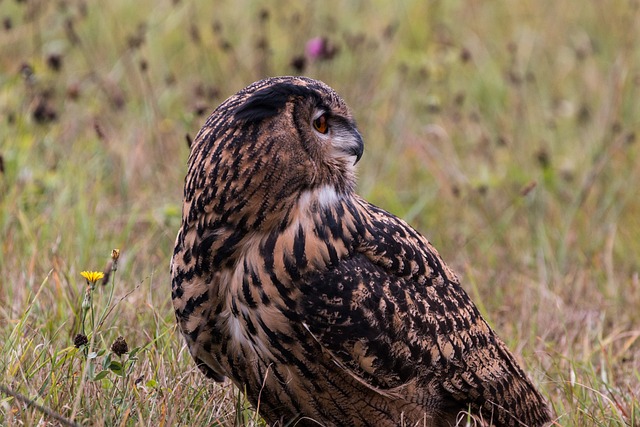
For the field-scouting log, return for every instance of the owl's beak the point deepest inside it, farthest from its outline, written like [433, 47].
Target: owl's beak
[356, 148]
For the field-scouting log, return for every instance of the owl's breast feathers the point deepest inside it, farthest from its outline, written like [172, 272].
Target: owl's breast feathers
[342, 298]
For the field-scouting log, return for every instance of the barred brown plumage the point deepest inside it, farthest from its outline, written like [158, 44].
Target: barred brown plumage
[324, 308]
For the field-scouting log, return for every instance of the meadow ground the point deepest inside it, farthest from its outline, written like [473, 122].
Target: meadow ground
[504, 131]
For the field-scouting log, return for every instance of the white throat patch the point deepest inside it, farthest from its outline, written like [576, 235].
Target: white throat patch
[324, 196]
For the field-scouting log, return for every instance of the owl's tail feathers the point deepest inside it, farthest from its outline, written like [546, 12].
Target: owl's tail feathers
[513, 401]
[510, 398]
[498, 390]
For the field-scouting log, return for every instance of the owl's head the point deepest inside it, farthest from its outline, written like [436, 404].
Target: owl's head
[305, 126]
[274, 140]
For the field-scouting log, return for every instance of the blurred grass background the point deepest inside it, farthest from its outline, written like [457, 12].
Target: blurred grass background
[504, 131]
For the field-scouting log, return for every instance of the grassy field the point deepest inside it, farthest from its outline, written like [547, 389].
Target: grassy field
[507, 132]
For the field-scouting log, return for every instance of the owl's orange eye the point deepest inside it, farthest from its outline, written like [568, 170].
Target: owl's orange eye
[320, 124]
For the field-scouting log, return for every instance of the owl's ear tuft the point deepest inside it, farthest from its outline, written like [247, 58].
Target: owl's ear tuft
[268, 102]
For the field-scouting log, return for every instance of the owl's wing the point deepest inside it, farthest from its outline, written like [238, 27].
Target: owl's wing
[393, 314]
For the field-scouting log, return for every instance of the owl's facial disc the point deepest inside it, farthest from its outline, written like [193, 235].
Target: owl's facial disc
[344, 138]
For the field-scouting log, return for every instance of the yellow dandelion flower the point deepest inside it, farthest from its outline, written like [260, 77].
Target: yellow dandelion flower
[92, 276]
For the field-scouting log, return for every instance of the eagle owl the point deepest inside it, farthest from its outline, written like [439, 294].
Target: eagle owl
[323, 308]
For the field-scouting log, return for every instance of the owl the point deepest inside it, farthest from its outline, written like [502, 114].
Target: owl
[323, 308]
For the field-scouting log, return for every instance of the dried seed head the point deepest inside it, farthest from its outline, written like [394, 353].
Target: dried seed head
[80, 340]
[107, 273]
[119, 346]
[298, 63]
[54, 61]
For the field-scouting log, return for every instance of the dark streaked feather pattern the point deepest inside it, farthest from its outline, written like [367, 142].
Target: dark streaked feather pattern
[323, 307]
